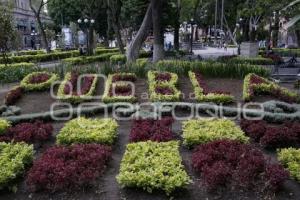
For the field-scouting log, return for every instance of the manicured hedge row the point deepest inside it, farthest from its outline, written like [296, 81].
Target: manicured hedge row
[119, 58]
[14, 158]
[202, 94]
[117, 88]
[290, 158]
[252, 61]
[16, 72]
[254, 84]
[30, 52]
[287, 52]
[202, 131]
[42, 57]
[83, 131]
[153, 166]
[38, 81]
[162, 86]
[68, 167]
[69, 86]
[88, 59]
[99, 51]
[230, 164]
[212, 69]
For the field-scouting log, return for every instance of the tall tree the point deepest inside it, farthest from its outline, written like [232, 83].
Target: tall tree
[158, 31]
[37, 7]
[7, 30]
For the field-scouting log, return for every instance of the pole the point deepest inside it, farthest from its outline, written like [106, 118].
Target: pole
[222, 15]
[216, 20]
[192, 35]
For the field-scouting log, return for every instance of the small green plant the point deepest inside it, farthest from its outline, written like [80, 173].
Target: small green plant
[16, 72]
[153, 166]
[118, 59]
[4, 125]
[290, 158]
[202, 131]
[84, 131]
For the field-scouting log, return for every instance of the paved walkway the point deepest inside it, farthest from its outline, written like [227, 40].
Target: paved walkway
[214, 53]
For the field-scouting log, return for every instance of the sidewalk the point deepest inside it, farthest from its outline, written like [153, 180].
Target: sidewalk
[214, 53]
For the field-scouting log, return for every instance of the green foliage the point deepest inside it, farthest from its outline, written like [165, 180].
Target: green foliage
[202, 131]
[27, 86]
[176, 96]
[119, 58]
[287, 52]
[4, 125]
[153, 166]
[212, 69]
[41, 57]
[211, 97]
[13, 160]
[16, 72]
[290, 158]
[29, 52]
[75, 99]
[88, 59]
[109, 84]
[85, 131]
[252, 61]
[250, 90]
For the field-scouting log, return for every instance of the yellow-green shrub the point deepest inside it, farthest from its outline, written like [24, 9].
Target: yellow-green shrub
[4, 125]
[290, 158]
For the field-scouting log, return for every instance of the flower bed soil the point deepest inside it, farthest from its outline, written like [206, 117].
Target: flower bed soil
[107, 187]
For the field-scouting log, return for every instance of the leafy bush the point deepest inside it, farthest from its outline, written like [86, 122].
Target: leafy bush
[118, 90]
[61, 168]
[69, 91]
[13, 96]
[4, 125]
[119, 58]
[255, 85]
[212, 69]
[14, 158]
[290, 158]
[230, 163]
[154, 130]
[207, 130]
[100, 51]
[153, 166]
[16, 72]
[82, 130]
[26, 52]
[287, 52]
[88, 59]
[202, 94]
[284, 135]
[252, 61]
[162, 86]
[38, 81]
[28, 132]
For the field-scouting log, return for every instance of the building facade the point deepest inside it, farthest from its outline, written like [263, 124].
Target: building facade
[26, 24]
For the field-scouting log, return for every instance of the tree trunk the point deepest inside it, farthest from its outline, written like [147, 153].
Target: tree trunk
[177, 26]
[158, 52]
[113, 13]
[43, 34]
[91, 41]
[136, 44]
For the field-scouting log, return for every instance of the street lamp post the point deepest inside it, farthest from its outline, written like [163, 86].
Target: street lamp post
[87, 24]
[192, 35]
[33, 38]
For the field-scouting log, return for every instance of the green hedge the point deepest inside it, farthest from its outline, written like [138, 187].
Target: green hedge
[30, 52]
[100, 51]
[287, 52]
[290, 158]
[83, 131]
[27, 86]
[4, 125]
[88, 59]
[13, 160]
[202, 131]
[118, 58]
[153, 166]
[16, 72]
[212, 69]
[252, 61]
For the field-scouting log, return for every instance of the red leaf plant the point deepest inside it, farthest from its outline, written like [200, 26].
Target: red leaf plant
[39, 78]
[154, 130]
[13, 96]
[61, 167]
[230, 163]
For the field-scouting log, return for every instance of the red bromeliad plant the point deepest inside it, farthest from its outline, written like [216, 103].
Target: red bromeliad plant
[205, 88]
[28, 132]
[154, 130]
[61, 167]
[163, 76]
[13, 96]
[120, 90]
[39, 78]
[72, 87]
[230, 163]
[285, 135]
[164, 90]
